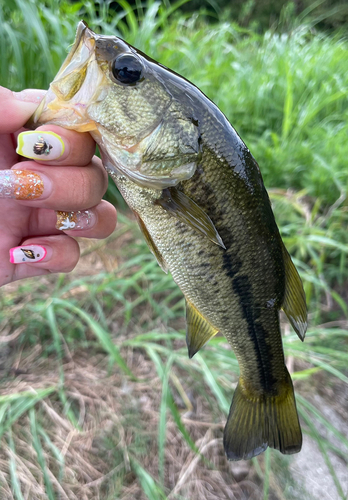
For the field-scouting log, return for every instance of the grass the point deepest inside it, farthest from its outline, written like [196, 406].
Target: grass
[99, 399]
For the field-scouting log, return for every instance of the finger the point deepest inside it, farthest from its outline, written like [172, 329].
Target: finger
[57, 188]
[96, 222]
[56, 146]
[17, 107]
[8, 154]
[44, 255]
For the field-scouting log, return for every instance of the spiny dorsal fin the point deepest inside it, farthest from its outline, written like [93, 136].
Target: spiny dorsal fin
[294, 304]
[178, 205]
[198, 330]
[151, 244]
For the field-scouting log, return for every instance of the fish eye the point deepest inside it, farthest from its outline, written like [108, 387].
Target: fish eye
[127, 69]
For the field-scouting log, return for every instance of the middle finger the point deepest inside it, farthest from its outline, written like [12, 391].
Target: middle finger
[59, 188]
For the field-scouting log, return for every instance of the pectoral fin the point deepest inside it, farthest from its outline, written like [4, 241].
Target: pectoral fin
[178, 205]
[151, 244]
[198, 330]
[294, 304]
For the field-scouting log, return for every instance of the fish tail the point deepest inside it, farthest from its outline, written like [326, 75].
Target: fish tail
[258, 421]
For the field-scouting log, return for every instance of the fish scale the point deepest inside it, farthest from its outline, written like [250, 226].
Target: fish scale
[208, 285]
[199, 199]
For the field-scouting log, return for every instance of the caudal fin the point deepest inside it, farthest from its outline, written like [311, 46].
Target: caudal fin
[254, 423]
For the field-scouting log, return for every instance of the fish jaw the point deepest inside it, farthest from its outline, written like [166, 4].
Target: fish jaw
[76, 85]
[131, 125]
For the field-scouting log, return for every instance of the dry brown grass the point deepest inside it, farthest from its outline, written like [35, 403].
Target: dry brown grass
[117, 418]
[98, 423]
[113, 413]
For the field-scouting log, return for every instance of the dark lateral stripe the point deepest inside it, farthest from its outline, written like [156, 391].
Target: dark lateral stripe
[257, 334]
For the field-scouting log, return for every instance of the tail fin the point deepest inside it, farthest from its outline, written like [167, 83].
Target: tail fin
[254, 423]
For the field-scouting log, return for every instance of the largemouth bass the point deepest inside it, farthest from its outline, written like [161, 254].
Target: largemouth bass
[200, 201]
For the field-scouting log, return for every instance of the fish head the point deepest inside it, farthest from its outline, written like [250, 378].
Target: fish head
[136, 110]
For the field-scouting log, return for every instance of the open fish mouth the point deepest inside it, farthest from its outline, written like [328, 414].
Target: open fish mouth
[74, 87]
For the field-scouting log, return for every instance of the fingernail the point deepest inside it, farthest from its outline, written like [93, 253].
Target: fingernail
[82, 219]
[23, 185]
[30, 95]
[38, 145]
[28, 253]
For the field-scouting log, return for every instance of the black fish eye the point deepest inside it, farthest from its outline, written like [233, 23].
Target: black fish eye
[127, 69]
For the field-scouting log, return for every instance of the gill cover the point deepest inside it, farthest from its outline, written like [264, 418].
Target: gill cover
[110, 89]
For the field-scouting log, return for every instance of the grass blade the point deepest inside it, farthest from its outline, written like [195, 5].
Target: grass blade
[40, 454]
[102, 335]
[16, 487]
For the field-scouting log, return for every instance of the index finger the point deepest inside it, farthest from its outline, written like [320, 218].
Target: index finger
[53, 145]
[17, 107]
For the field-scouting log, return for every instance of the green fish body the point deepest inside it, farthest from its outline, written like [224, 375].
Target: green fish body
[199, 199]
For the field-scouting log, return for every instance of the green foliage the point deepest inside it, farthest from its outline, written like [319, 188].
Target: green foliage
[287, 97]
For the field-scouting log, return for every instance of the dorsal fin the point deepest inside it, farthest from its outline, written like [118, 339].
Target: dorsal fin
[198, 330]
[294, 304]
[151, 244]
[178, 205]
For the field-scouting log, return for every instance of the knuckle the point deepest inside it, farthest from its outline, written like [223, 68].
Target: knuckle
[83, 190]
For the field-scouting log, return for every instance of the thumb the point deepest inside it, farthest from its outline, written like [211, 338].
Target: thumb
[17, 107]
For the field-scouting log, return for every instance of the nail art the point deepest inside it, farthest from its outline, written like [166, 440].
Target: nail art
[20, 184]
[40, 145]
[29, 253]
[81, 219]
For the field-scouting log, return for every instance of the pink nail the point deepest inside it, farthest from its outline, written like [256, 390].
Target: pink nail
[27, 253]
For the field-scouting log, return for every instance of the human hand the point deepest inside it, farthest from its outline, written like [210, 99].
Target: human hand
[64, 177]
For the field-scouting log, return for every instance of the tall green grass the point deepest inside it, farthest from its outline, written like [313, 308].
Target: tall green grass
[287, 97]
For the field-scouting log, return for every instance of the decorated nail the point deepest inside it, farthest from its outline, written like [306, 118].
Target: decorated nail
[22, 184]
[81, 219]
[27, 253]
[40, 145]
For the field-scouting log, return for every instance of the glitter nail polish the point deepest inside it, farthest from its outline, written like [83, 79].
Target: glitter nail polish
[20, 184]
[81, 219]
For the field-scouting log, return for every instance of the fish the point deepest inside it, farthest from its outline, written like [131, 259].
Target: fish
[198, 196]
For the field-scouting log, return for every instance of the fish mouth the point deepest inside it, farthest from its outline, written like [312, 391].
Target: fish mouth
[74, 87]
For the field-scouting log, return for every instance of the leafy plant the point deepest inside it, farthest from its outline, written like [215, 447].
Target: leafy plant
[98, 394]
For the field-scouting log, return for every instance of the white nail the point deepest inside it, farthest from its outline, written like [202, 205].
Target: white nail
[28, 253]
[38, 145]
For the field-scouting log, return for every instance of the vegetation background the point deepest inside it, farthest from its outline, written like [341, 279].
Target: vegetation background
[98, 397]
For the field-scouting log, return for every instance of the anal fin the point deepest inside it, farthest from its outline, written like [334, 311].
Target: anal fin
[198, 330]
[294, 304]
[151, 244]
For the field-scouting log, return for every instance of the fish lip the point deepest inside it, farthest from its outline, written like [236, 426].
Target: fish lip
[78, 57]
[84, 37]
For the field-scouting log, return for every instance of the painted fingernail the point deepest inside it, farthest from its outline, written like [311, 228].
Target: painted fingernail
[81, 219]
[38, 145]
[23, 185]
[27, 253]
